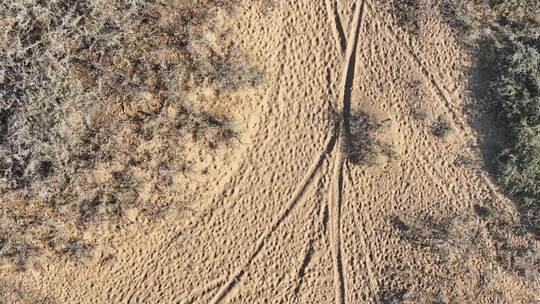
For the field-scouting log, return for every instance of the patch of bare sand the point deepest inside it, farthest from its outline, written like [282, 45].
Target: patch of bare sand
[286, 218]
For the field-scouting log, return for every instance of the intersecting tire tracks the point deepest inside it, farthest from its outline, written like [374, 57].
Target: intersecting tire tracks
[339, 136]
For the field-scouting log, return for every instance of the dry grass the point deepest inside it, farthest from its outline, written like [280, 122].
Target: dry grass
[12, 295]
[363, 146]
[481, 248]
[441, 128]
[96, 105]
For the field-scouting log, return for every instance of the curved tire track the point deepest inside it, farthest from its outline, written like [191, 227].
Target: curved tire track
[297, 197]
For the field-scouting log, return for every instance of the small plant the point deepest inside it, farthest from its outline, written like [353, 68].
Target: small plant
[463, 245]
[441, 128]
[407, 14]
[419, 115]
[465, 161]
[481, 211]
[363, 148]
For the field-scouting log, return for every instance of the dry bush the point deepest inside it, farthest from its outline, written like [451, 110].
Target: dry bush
[441, 128]
[96, 106]
[363, 147]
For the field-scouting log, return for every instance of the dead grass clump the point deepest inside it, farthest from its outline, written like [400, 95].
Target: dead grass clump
[441, 128]
[98, 107]
[483, 236]
[363, 147]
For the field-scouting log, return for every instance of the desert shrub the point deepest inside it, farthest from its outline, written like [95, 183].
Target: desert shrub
[363, 147]
[516, 94]
[441, 128]
[508, 61]
[97, 103]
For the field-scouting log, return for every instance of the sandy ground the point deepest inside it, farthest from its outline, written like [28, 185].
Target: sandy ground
[288, 219]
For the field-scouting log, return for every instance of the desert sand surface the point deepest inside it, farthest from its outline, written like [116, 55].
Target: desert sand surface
[286, 217]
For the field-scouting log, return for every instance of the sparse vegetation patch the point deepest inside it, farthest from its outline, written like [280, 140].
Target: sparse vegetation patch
[97, 109]
[504, 37]
[509, 68]
[441, 128]
[462, 243]
[363, 147]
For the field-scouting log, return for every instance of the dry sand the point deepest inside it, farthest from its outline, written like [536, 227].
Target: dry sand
[287, 219]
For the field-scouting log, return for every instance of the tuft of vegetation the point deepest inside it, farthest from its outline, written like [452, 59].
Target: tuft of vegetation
[363, 148]
[441, 128]
[14, 295]
[465, 161]
[406, 14]
[97, 107]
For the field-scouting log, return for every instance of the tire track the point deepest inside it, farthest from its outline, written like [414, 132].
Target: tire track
[308, 255]
[373, 284]
[335, 195]
[443, 98]
[298, 195]
[336, 183]
[202, 291]
[368, 260]
[335, 201]
[319, 231]
[338, 31]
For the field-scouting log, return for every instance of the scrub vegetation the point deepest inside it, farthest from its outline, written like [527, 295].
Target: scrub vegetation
[96, 107]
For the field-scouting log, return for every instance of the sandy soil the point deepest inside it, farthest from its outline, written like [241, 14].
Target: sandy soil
[287, 218]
